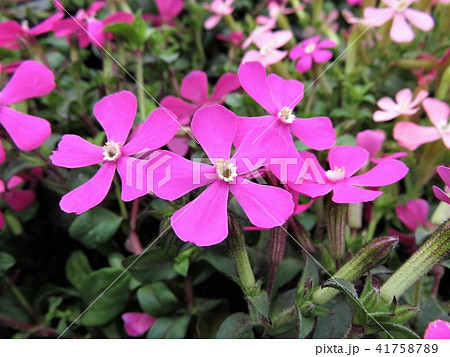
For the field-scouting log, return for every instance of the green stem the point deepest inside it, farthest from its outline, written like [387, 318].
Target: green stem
[301, 15]
[107, 68]
[232, 25]
[444, 87]
[140, 86]
[123, 209]
[317, 11]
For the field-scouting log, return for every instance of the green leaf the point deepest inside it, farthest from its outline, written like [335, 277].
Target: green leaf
[6, 262]
[222, 263]
[95, 227]
[446, 264]
[157, 299]
[238, 325]
[286, 271]
[77, 268]
[343, 286]
[336, 325]
[305, 325]
[429, 311]
[261, 303]
[153, 266]
[401, 331]
[169, 327]
[112, 302]
[181, 265]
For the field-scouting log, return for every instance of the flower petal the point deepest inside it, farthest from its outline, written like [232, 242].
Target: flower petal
[377, 16]
[129, 169]
[195, 87]
[385, 173]
[411, 136]
[438, 329]
[321, 56]
[304, 64]
[381, 115]
[444, 173]
[352, 158]
[229, 82]
[253, 79]
[404, 97]
[214, 127]
[387, 104]
[20, 199]
[28, 132]
[245, 125]
[91, 193]
[159, 128]
[46, 25]
[204, 221]
[212, 21]
[318, 133]
[265, 206]
[31, 79]
[419, 98]
[118, 17]
[182, 109]
[179, 146]
[137, 323]
[371, 140]
[400, 30]
[346, 193]
[285, 92]
[413, 213]
[96, 34]
[441, 195]
[419, 19]
[10, 33]
[438, 111]
[73, 151]
[116, 114]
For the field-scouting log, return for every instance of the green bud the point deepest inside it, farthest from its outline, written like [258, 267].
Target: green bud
[336, 223]
[369, 256]
[433, 251]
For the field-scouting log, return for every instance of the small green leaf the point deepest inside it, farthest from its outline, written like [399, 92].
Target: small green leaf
[238, 325]
[169, 327]
[77, 268]
[336, 325]
[157, 299]
[261, 303]
[6, 261]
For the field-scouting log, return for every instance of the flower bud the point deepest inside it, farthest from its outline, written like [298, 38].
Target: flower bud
[435, 248]
[336, 222]
[369, 256]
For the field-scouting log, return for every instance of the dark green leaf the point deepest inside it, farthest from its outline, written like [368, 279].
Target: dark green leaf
[261, 303]
[336, 325]
[157, 299]
[6, 262]
[77, 268]
[169, 327]
[237, 325]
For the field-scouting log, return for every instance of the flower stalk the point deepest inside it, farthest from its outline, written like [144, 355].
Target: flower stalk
[369, 256]
[433, 251]
[336, 223]
[277, 247]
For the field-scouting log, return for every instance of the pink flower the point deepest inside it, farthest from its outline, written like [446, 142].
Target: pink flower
[441, 195]
[372, 141]
[219, 8]
[412, 214]
[404, 105]
[355, 2]
[137, 323]
[30, 80]
[311, 50]
[168, 10]
[401, 14]
[268, 44]
[235, 38]
[329, 20]
[194, 87]
[411, 135]
[115, 114]
[18, 199]
[344, 162]
[86, 21]
[279, 97]
[438, 329]
[204, 221]
[10, 68]
[12, 33]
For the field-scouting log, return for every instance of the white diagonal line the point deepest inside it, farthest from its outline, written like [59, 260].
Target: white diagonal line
[123, 68]
[332, 63]
[320, 265]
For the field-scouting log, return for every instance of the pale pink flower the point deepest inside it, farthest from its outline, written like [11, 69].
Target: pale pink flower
[31, 79]
[204, 221]
[411, 135]
[115, 114]
[438, 329]
[17, 198]
[372, 141]
[86, 21]
[404, 105]
[401, 13]
[137, 323]
[194, 87]
[268, 44]
[444, 196]
[219, 8]
[344, 162]
[311, 50]
[168, 10]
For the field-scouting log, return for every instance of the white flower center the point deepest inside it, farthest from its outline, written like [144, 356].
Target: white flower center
[286, 116]
[338, 174]
[310, 48]
[111, 151]
[401, 5]
[226, 170]
[443, 127]
[267, 48]
[25, 25]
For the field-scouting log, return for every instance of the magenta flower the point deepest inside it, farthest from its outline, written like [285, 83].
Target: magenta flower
[12, 33]
[372, 141]
[401, 14]
[219, 8]
[168, 10]
[88, 22]
[10, 68]
[344, 162]
[311, 50]
[115, 114]
[204, 221]
[404, 105]
[235, 38]
[18, 199]
[30, 80]
[413, 214]
[438, 329]
[194, 87]
[355, 2]
[268, 44]
[411, 135]
[137, 323]
[441, 195]
[279, 97]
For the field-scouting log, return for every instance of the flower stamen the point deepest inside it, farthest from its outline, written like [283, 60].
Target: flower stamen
[226, 170]
[111, 151]
[338, 174]
[286, 116]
